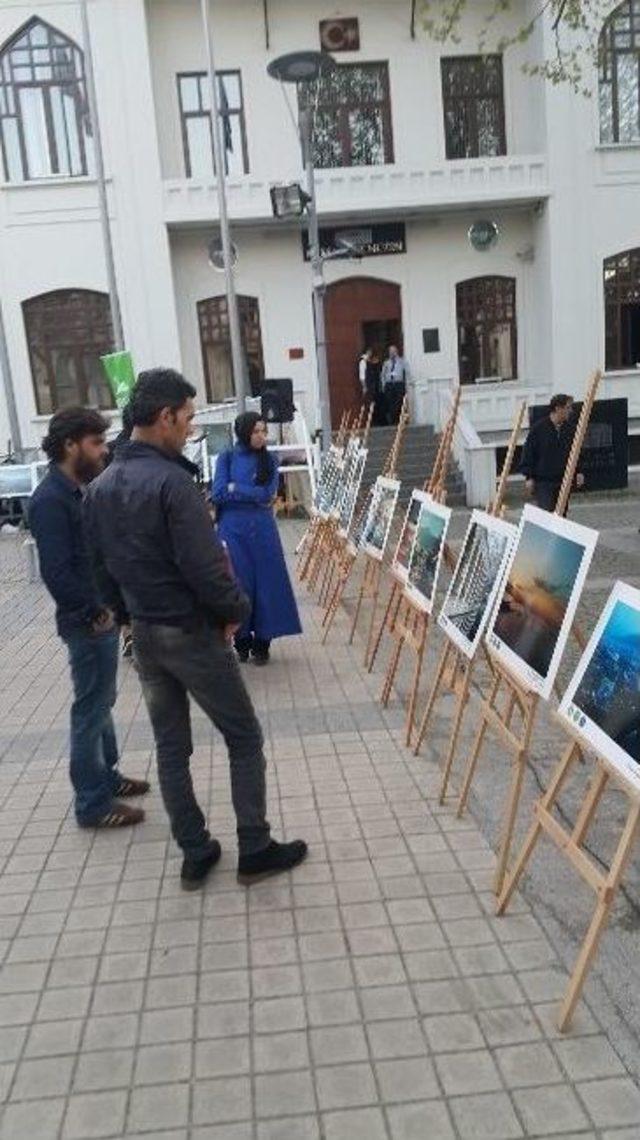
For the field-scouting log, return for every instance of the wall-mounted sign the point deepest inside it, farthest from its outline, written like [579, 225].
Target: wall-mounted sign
[359, 241]
[340, 35]
[431, 340]
[483, 235]
[296, 353]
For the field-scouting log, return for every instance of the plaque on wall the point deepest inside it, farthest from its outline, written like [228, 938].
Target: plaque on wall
[605, 453]
[342, 34]
[431, 340]
[359, 241]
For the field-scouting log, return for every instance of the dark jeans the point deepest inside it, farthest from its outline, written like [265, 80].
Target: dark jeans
[394, 395]
[546, 495]
[174, 665]
[93, 659]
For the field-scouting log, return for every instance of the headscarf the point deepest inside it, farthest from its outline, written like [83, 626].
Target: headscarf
[243, 428]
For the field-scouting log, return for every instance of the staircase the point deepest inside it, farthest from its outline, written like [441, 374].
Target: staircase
[416, 461]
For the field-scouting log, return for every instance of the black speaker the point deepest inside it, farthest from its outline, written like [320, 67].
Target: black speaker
[276, 404]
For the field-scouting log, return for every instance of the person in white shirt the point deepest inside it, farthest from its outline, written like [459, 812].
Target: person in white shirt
[395, 373]
[362, 370]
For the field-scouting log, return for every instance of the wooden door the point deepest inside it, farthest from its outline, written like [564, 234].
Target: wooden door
[350, 305]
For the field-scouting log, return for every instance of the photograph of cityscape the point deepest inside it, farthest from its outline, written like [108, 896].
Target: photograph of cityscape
[426, 555]
[402, 557]
[603, 699]
[351, 492]
[476, 580]
[329, 482]
[540, 594]
[376, 532]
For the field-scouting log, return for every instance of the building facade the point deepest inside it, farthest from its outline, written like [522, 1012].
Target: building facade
[492, 221]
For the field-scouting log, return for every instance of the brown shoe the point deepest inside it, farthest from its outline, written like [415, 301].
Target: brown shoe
[120, 815]
[130, 787]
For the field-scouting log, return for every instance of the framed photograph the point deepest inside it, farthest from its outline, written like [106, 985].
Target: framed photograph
[329, 482]
[476, 580]
[402, 556]
[16, 480]
[380, 517]
[426, 556]
[602, 702]
[351, 492]
[539, 595]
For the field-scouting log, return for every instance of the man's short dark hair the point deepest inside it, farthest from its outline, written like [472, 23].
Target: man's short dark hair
[70, 425]
[559, 401]
[156, 389]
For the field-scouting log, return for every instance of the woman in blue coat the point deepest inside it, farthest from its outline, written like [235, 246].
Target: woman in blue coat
[243, 490]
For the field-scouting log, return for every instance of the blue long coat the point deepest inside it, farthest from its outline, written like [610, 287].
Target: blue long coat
[247, 524]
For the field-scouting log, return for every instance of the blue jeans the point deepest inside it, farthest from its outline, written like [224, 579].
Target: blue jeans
[93, 659]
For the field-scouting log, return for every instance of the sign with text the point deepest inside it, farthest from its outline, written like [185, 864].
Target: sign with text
[359, 241]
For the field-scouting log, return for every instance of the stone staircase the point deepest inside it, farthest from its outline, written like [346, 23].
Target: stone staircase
[416, 461]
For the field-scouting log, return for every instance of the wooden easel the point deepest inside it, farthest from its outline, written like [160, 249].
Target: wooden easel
[323, 527]
[431, 484]
[517, 696]
[454, 673]
[410, 625]
[570, 843]
[335, 546]
[349, 551]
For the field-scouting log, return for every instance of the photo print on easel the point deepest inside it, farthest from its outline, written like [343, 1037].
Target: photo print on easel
[602, 702]
[329, 482]
[402, 556]
[351, 492]
[539, 596]
[476, 580]
[380, 517]
[426, 556]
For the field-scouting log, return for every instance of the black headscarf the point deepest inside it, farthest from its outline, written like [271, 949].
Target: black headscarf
[243, 428]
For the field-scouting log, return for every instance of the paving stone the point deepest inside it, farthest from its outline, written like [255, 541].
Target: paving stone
[547, 1111]
[419, 1121]
[585, 1058]
[523, 1065]
[92, 1115]
[164, 1064]
[466, 1073]
[487, 1117]
[611, 1102]
[33, 1118]
[406, 1080]
[336, 1044]
[357, 1124]
[279, 1093]
[346, 1086]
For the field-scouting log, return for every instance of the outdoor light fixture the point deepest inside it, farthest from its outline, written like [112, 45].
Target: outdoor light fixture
[288, 200]
[301, 66]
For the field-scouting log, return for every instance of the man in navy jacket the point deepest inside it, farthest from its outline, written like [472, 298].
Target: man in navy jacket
[76, 447]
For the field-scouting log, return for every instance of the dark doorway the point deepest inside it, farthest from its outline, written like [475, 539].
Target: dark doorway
[361, 312]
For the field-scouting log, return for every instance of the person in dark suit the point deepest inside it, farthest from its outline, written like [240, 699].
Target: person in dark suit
[546, 452]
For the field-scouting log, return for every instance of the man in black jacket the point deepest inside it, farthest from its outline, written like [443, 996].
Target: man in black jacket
[546, 452]
[150, 525]
[76, 446]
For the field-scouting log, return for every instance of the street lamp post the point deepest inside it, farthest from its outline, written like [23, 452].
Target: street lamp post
[308, 67]
[237, 354]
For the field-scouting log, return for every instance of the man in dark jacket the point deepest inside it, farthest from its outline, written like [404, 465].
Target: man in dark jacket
[151, 526]
[546, 453]
[76, 447]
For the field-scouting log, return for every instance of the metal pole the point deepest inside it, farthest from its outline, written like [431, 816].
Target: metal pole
[237, 354]
[114, 300]
[9, 392]
[317, 274]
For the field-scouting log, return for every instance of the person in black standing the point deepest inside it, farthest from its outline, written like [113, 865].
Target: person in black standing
[149, 524]
[86, 619]
[546, 453]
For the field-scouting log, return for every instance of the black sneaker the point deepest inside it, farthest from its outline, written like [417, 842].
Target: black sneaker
[243, 655]
[274, 859]
[193, 874]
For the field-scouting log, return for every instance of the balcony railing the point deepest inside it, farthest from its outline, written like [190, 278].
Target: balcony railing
[352, 190]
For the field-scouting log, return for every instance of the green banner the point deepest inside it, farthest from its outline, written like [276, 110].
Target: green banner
[120, 374]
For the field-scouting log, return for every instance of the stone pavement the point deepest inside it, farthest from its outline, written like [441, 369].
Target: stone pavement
[369, 995]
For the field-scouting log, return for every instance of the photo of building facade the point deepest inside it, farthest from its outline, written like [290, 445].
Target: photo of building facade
[417, 146]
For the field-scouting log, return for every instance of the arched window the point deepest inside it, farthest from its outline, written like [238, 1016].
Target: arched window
[67, 333]
[44, 119]
[487, 333]
[622, 310]
[215, 340]
[619, 84]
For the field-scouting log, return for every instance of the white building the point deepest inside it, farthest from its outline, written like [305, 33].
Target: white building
[415, 142]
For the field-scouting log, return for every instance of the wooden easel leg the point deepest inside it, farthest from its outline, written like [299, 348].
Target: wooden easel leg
[463, 697]
[546, 802]
[392, 669]
[392, 607]
[600, 917]
[344, 574]
[475, 751]
[417, 674]
[372, 619]
[361, 594]
[433, 695]
[513, 803]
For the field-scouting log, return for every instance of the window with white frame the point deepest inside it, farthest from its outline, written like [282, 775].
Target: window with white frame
[45, 128]
[619, 77]
[195, 117]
